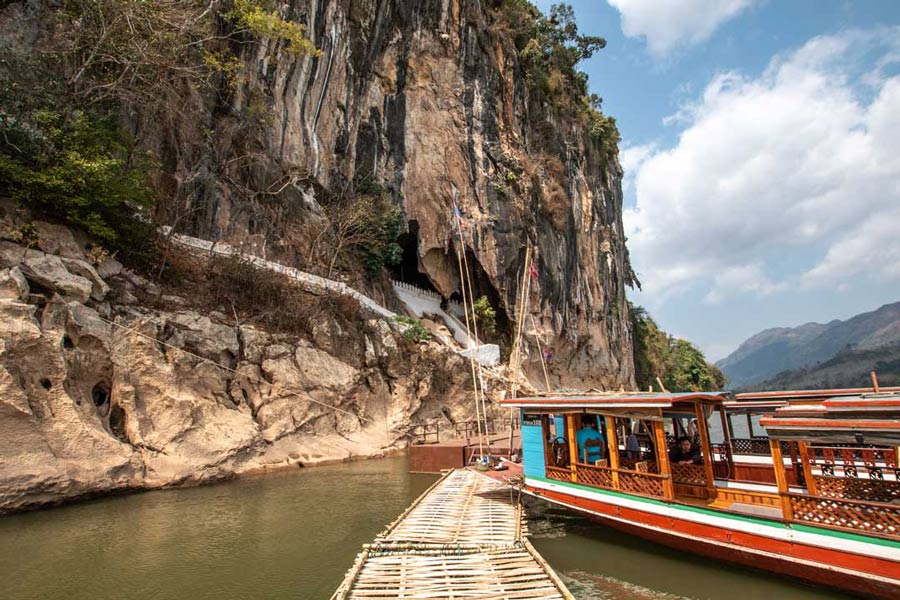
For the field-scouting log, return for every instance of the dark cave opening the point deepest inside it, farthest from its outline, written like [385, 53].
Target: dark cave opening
[117, 423]
[407, 270]
[100, 397]
[482, 286]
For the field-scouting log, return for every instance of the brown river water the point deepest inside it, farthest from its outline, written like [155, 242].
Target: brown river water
[294, 534]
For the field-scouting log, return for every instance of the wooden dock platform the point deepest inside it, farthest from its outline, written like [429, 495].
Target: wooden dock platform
[465, 537]
[437, 456]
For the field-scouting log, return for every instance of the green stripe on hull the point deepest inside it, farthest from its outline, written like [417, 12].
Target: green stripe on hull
[706, 511]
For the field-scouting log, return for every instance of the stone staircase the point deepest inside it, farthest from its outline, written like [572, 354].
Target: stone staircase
[420, 302]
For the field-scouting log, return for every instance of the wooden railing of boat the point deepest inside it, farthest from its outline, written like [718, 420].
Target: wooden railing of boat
[874, 518]
[620, 480]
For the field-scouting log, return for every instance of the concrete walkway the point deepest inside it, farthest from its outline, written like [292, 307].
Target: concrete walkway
[417, 300]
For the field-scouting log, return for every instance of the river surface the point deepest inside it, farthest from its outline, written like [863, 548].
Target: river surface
[294, 534]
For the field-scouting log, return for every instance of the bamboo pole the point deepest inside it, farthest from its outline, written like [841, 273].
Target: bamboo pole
[469, 337]
[537, 337]
[520, 321]
[468, 284]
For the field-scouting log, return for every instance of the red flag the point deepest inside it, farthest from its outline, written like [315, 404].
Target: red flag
[532, 271]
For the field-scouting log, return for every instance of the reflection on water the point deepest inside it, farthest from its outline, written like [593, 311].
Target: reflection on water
[598, 562]
[294, 534]
[285, 535]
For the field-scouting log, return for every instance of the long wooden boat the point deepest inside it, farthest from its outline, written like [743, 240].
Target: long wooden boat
[822, 503]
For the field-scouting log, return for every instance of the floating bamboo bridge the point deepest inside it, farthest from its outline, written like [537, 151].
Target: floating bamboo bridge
[465, 537]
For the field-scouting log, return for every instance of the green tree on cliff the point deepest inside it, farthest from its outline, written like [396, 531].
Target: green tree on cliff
[676, 362]
[64, 151]
[549, 49]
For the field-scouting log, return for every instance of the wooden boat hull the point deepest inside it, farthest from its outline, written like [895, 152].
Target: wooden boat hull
[859, 564]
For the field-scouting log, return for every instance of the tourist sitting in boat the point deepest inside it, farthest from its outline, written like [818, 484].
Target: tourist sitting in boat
[589, 433]
[685, 453]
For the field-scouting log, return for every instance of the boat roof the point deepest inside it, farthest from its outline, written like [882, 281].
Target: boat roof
[753, 406]
[566, 400]
[809, 394]
[872, 416]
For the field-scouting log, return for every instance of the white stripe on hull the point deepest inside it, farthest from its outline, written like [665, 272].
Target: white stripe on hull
[739, 524]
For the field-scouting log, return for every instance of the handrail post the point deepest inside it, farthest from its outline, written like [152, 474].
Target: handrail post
[726, 436]
[807, 469]
[781, 479]
[707, 450]
[613, 443]
[573, 444]
[662, 459]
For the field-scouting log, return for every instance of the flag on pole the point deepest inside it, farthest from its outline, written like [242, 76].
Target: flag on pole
[532, 271]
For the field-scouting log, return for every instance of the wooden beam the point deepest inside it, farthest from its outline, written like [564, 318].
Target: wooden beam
[573, 444]
[613, 443]
[781, 478]
[807, 469]
[662, 458]
[706, 449]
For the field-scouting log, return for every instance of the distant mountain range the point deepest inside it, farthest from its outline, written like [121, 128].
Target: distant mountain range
[866, 339]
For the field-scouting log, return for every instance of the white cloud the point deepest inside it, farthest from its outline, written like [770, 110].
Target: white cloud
[734, 280]
[631, 158]
[801, 162]
[667, 24]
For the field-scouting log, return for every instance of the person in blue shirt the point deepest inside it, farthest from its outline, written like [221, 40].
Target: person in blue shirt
[587, 432]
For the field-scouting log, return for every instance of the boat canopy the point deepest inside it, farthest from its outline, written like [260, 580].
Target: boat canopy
[808, 394]
[868, 418]
[569, 402]
[753, 406]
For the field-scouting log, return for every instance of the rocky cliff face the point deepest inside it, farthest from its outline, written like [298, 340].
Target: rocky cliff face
[426, 99]
[99, 393]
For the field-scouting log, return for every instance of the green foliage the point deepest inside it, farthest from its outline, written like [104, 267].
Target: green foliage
[549, 50]
[414, 331]
[485, 316]
[263, 23]
[688, 370]
[63, 152]
[651, 348]
[604, 132]
[676, 362]
[79, 168]
[384, 228]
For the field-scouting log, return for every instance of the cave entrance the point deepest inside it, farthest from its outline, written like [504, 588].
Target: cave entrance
[100, 397]
[407, 270]
[482, 286]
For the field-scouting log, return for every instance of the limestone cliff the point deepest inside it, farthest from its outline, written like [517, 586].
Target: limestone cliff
[99, 393]
[427, 99]
[108, 382]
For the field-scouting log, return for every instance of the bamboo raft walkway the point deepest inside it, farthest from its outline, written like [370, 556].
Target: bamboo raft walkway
[465, 537]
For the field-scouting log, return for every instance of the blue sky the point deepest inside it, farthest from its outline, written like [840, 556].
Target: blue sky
[761, 144]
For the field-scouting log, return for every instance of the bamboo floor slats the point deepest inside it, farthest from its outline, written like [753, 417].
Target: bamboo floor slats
[466, 508]
[465, 537]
